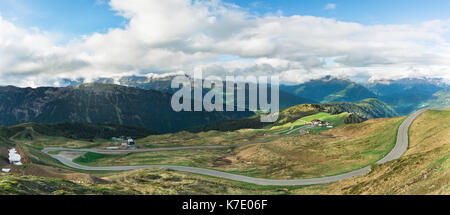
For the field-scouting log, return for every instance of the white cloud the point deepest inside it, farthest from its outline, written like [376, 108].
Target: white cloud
[180, 35]
[330, 6]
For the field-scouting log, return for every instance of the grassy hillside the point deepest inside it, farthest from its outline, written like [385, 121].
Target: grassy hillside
[69, 135]
[72, 135]
[31, 185]
[167, 182]
[332, 152]
[5, 144]
[84, 131]
[424, 169]
[336, 120]
[186, 138]
[365, 109]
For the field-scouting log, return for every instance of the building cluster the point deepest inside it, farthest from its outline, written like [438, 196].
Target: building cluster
[321, 123]
[127, 142]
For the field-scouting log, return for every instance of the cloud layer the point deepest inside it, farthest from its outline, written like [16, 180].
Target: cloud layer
[221, 38]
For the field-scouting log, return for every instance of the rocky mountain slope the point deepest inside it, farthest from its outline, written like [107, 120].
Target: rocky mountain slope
[101, 103]
[163, 84]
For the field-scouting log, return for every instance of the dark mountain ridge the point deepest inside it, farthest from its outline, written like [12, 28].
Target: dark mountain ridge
[163, 84]
[101, 103]
[404, 95]
[74, 130]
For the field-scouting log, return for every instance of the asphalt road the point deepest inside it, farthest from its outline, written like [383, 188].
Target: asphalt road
[402, 143]
[399, 149]
[301, 128]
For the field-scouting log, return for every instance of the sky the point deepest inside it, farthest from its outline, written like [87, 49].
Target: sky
[45, 41]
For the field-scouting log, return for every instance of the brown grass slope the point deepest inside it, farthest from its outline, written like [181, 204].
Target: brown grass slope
[332, 152]
[424, 169]
[32, 185]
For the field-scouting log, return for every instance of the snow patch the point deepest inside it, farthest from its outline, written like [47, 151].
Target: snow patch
[14, 157]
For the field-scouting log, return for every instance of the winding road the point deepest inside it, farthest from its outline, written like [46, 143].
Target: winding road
[400, 148]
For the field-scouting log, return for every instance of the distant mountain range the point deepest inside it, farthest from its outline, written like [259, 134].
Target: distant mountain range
[404, 95]
[330, 89]
[439, 99]
[327, 89]
[146, 101]
[101, 103]
[409, 94]
[163, 84]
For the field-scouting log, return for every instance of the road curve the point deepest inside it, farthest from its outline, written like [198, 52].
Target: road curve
[402, 143]
[400, 148]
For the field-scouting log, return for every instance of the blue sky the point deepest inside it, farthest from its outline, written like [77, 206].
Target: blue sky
[361, 11]
[71, 17]
[78, 17]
